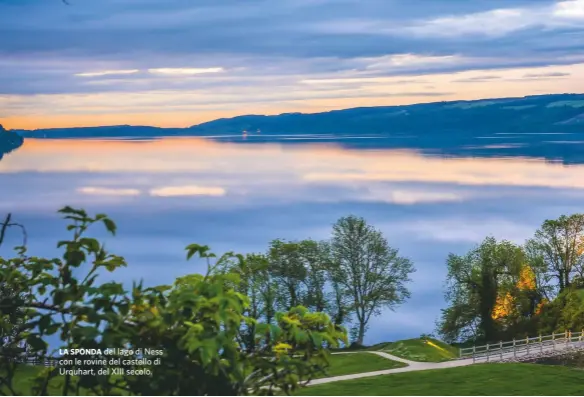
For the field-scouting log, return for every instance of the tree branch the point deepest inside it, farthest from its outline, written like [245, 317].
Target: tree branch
[6, 224]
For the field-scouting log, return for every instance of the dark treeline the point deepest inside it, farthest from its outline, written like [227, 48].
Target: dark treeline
[500, 290]
[9, 141]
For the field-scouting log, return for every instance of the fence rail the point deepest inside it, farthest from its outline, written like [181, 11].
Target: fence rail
[524, 347]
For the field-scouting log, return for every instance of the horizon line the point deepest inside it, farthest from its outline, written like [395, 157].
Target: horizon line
[292, 112]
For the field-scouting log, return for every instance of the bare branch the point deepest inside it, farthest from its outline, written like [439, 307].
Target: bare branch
[4, 227]
[6, 224]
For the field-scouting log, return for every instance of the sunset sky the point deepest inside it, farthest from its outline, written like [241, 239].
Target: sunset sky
[181, 62]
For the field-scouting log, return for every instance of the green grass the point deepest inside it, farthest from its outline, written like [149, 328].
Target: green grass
[353, 363]
[418, 350]
[474, 380]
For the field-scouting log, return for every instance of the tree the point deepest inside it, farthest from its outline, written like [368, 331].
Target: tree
[13, 321]
[560, 243]
[251, 276]
[478, 290]
[289, 271]
[315, 258]
[196, 322]
[368, 270]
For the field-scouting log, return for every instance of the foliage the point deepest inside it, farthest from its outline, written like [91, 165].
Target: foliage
[308, 273]
[197, 322]
[368, 270]
[560, 244]
[532, 291]
[566, 312]
[339, 364]
[484, 291]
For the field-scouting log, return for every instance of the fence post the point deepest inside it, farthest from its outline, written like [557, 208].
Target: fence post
[566, 339]
[514, 349]
[554, 340]
[500, 349]
[540, 344]
[527, 343]
[487, 352]
[474, 349]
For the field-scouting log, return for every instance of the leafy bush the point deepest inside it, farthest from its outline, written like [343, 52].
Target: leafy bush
[566, 312]
[197, 322]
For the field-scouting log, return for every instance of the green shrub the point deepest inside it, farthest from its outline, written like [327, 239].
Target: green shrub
[196, 322]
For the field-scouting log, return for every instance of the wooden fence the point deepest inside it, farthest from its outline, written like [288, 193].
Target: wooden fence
[523, 347]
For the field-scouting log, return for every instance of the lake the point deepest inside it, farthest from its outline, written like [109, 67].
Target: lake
[167, 193]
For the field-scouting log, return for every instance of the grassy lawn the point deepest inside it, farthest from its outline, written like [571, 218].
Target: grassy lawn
[418, 350]
[353, 363]
[474, 380]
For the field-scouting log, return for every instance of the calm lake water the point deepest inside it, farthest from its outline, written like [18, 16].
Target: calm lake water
[167, 193]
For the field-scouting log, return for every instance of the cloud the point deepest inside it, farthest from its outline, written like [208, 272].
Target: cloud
[105, 191]
[477, 79]
[468, 230]
[184, 71]
[335, 46]
[174, 191]
[412, 196]
[107, 73]
[503, 21]
[571, 9]
[551, 74]
[490, 23]
[362, 80]
[409, 60]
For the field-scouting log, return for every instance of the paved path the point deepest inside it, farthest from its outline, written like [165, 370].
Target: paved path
[412, 366]
[421, 366]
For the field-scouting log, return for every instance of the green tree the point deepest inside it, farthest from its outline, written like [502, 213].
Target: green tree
[288, 269]
[315, 256]
[251, 276]
[196, 322]
[368, 270]
[566, 312]
[14, 320]
[474, 283]
[560, 242]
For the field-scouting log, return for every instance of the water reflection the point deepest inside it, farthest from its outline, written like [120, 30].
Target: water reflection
[167, 193]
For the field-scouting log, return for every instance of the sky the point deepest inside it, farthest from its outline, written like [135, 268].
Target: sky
[176, 63]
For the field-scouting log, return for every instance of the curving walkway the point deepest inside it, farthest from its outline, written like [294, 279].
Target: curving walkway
[533, 347]
[412, 366]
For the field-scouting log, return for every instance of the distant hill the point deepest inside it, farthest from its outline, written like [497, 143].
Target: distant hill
[546, 113]
[548, 126]
[9, 141]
